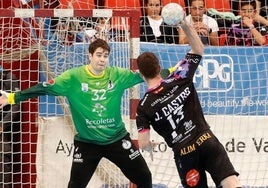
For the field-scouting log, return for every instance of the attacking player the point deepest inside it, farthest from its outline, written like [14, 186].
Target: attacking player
[171, 106]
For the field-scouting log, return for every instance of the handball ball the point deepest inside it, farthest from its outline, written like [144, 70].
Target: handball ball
[172, 14]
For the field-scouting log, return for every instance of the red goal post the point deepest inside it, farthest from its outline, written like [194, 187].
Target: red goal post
[28, 159]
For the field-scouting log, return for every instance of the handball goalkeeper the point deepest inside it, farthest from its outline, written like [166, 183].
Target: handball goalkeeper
[94, 93]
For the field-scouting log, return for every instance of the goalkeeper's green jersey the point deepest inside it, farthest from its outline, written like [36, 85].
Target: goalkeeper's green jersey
[95, 101]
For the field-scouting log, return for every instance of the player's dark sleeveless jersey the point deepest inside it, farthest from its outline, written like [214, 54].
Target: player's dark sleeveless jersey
[173, 108]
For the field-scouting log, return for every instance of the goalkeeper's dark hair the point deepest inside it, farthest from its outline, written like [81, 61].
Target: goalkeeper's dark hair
[148, 65]
[98, 43]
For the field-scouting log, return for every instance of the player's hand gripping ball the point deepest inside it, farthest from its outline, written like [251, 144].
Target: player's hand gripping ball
[172, 14]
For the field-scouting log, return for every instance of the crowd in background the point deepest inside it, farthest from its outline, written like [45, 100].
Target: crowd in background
[218, 23]
[241, 23]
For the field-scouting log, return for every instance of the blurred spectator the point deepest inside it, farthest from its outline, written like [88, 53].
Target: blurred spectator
[9, 127]
[152, 27]
[235, 6]
[106, 32]
[252, 29]
[101, 29]
[261, 6]
[206, 26]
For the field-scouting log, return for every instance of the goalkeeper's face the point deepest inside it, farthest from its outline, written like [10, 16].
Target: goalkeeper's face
[98, 60]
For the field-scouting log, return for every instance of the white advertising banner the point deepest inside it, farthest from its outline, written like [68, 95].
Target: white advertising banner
[248, 150]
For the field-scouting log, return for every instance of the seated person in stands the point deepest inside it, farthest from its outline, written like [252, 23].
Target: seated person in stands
[206, 27]
[106, 32]
[152, 27]
[251, 30]
[102, 29]
[261, 7]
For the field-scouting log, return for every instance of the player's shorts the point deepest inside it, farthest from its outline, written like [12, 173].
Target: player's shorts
[205, 153]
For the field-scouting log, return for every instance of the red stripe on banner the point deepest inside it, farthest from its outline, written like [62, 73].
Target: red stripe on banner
[7, 13]
[44, 13]
[83, 12]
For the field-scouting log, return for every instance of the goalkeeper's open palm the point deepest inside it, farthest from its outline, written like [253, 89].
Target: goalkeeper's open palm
[3, 99]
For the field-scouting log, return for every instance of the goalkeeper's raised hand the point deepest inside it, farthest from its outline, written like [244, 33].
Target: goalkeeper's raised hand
[3, 98]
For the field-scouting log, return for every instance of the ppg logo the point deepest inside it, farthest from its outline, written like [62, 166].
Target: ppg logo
[214, 74]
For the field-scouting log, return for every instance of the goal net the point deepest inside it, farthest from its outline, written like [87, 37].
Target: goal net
[29, 37]
[39, 44]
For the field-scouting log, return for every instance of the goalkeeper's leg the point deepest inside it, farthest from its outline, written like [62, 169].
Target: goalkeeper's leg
[128, 158]
[86, 157]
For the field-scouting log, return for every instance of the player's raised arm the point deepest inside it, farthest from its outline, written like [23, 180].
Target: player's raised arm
[195, 42]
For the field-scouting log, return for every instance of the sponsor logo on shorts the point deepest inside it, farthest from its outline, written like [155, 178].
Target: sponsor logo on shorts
[126, 144]
[77, 157]
[134, 154]
[192, 177]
